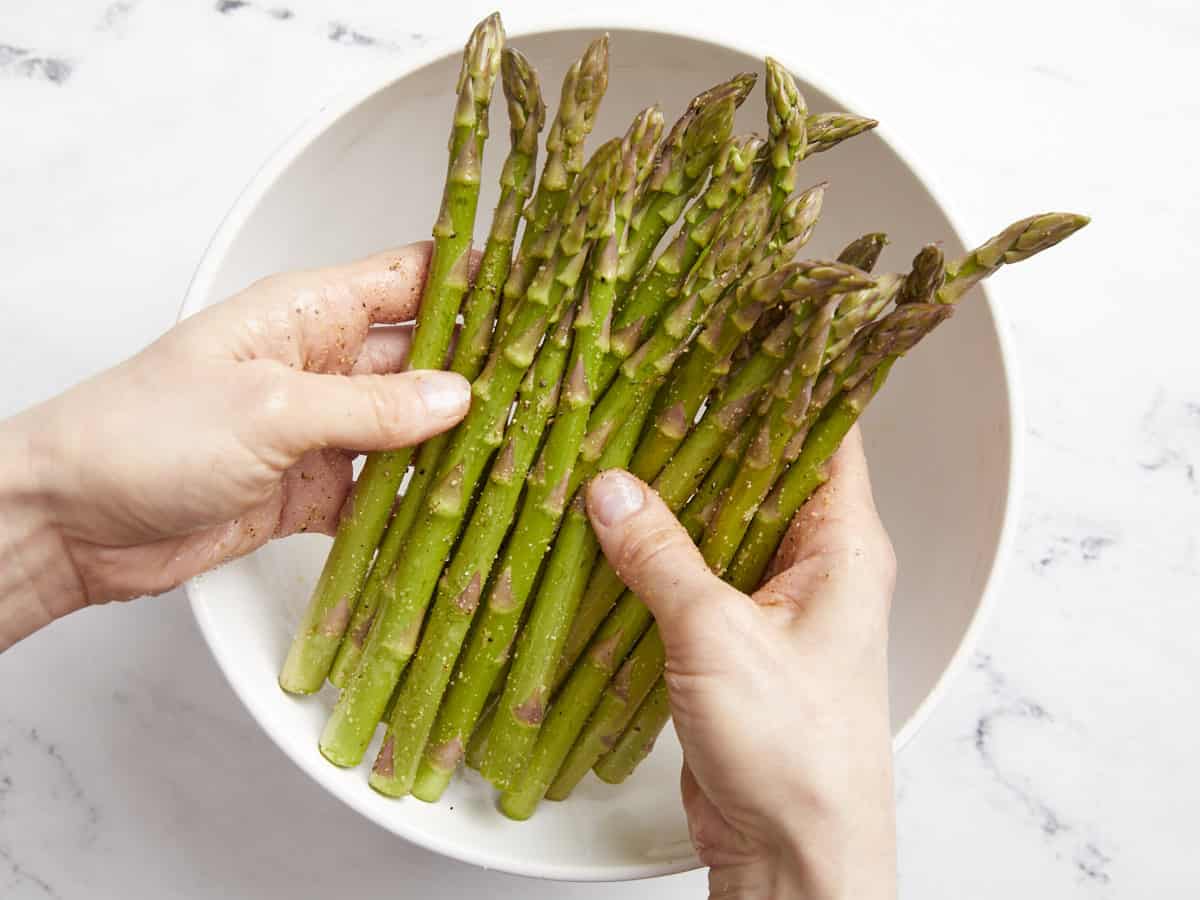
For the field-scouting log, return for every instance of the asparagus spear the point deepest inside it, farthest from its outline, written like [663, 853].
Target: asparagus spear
[446, 631]
[1019, 241]
[864, 251]
[622, 698]
[787, 119]
[316, 642]
[638, 739]
[481, 663]
[526, 115]
[825, 131]
[394, 635]
[583, 88]
[574, 704]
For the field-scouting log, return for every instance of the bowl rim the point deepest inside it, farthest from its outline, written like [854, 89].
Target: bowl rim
[341, 102]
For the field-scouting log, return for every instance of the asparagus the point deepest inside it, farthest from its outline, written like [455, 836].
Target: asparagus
[583, 88]
[526, 115]
[787, 119]
[544, 501]
[864, 251]
[481, 664]
[394, 635]
[638, 740]
[624, 694]
[825, 131]
[1019, 241]
[320, 634]
[928, 274]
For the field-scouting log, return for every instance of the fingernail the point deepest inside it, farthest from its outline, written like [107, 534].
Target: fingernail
[615, 497]
[444, 394]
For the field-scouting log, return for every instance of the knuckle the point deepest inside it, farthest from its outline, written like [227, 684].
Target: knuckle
[389, 406]
[648, 548]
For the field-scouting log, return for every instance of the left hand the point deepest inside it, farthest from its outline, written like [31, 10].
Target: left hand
[237, 426]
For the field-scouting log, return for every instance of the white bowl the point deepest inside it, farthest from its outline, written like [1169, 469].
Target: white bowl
[366, 174]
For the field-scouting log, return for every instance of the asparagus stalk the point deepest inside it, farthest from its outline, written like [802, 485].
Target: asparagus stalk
[574, 704]
[622, 698]
[787, 119]
[638, 739]
[481, 664]
[394, 635]
[1017, 242]
[445, 633]
[526, 115]
[583, 88]
[316, 643]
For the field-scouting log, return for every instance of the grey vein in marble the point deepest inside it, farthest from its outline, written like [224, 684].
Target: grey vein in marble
[1171, 429]
[115, 15]
[25, 63]
[28, 746]
[1089, 860]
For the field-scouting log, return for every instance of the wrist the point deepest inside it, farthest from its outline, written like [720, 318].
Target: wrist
[38, 581]
[855, 863]
[778, 876]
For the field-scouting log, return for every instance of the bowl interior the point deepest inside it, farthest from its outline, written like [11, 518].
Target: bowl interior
[939, 440]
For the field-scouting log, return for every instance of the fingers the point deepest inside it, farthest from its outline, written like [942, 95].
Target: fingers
[650, 550]
[385, 350]
[316, 320]
[838, 532]
[314, 491]
[304, 411]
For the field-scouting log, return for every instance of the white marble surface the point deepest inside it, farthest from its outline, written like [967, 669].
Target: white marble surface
[1061, 765]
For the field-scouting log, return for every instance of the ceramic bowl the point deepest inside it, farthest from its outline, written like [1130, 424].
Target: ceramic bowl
[365, 174]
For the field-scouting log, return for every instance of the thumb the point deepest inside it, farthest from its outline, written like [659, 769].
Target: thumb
[308, 410]
[651, 551]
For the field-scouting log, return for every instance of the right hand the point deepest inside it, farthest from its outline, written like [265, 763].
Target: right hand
[779, 699]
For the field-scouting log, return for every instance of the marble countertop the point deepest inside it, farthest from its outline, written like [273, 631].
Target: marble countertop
[1062, 763]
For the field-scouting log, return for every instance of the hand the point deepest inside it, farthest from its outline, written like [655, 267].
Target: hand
[226, 432]
[779, 699]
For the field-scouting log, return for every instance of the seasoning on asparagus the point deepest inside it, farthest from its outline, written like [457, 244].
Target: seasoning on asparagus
[320, 634]
[583, 88]
[393, 637]
[546, 496]
[526, 115]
